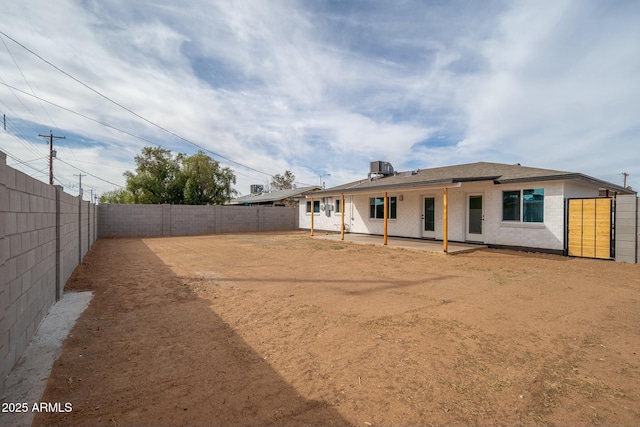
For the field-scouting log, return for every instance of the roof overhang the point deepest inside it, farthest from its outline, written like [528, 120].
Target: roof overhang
[457, 182]
[564, 177]
[417, 186]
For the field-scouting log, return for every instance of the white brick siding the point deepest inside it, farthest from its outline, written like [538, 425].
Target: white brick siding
[409, 221]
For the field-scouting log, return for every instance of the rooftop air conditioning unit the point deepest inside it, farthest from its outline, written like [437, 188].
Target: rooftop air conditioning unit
[381, 168]
[257, 188]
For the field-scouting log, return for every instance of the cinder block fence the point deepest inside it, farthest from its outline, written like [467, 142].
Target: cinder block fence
[180, 220]
[44, 233]
[627, 224]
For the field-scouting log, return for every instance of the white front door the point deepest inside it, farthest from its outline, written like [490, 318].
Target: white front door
[429, 217]
[475, 218]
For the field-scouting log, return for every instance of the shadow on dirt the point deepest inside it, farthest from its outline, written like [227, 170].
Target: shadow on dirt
[148, 351]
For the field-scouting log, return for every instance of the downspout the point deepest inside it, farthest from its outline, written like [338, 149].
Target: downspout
[386, 214]
[351, 213]
[445, 225]
[342, 219]
[313, 211]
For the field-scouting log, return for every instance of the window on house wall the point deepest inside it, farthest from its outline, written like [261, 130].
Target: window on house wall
[376, 208]
[316, 206]
[511, 205]
[523, 205]
[533, 205]
[429, 214]
[338, 207]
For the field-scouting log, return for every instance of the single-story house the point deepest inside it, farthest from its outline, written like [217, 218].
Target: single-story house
[500, 205]
[286, 197]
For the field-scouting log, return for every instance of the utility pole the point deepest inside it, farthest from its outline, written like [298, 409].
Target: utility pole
[625, 175]
[80, 184]
[52, 153]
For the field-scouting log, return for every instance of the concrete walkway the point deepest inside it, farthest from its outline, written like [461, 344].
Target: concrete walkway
[402, 242]
[28, 379]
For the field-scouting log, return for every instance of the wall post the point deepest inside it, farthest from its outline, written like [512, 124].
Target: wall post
[88, 226]
[58, 189]
[626, 228]
[166, 220]
[80, 228]
[4, 201]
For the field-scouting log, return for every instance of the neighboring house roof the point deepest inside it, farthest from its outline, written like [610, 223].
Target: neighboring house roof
[273, 196]
[499, 173]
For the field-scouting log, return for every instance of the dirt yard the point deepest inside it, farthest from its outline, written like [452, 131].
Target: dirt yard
[282, 329]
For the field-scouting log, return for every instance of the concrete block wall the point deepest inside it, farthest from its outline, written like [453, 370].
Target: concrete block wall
[130, 220]
[627, 225]
[179, 220]
[38, 228]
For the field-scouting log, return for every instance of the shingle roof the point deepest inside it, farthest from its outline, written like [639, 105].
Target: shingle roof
[273, 196]
[481, 171]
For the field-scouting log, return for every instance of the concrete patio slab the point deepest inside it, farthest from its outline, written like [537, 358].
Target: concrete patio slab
[403, 242]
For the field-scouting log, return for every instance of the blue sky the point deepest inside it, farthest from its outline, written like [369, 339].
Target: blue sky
[323, 87]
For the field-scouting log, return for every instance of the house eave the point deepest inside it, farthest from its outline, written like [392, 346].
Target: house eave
[448, 183]
[565, 177]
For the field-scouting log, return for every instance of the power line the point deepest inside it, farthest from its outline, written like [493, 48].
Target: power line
[23, 139]
[103, 124]
[25, 80]
[22, 162]
[101, 164]
[83, 116]
[90, 174]
[131, 111]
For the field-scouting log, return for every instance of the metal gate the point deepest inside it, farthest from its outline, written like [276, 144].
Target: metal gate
[590, 228]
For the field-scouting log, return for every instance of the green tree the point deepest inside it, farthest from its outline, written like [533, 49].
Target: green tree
[205, 182]
[283, 182]
[121, 196]
[157, 177]
[161, 177]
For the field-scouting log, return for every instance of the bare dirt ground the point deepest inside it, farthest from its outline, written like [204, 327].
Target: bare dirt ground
[281, 329]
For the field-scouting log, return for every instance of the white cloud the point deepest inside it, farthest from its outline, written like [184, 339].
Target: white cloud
[326, 88]
[562, 88]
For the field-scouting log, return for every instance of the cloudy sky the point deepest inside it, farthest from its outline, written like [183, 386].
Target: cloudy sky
[321, 87]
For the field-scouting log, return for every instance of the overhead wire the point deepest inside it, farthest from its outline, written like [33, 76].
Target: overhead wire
[26, 81]
[32, 90]
[18, 131]
[19, 100]
[133, 112]
[90, 174]
[103, 123]
[82, 115]
[27, 144]
[20, 161]
[30, 147]
[40, 100]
